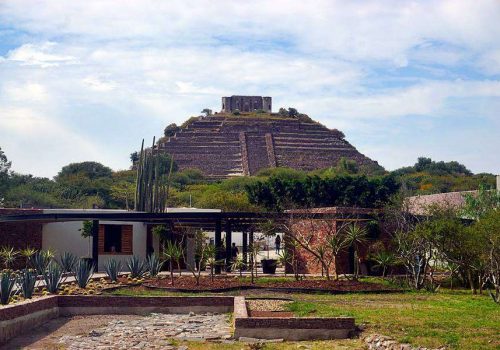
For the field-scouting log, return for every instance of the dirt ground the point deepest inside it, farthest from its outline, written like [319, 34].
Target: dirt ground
[46, 336]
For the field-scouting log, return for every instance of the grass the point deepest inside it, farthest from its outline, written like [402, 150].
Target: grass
[455, 319]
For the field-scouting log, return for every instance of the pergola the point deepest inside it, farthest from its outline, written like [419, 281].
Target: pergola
[229, 222]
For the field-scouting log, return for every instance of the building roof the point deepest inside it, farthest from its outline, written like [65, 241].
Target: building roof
[418, 205]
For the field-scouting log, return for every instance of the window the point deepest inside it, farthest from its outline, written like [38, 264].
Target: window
[112, 238]
[115, 239]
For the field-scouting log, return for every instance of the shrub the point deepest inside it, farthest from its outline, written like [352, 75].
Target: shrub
[52, 277]
[26, 281]
[67, 261]
[83, 272]
[136, 266]
[154, 265]
[7, 281]
[112, 268]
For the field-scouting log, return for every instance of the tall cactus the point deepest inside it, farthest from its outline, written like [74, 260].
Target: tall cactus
[152, 188]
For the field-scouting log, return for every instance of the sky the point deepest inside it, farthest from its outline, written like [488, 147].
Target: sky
[88, 80]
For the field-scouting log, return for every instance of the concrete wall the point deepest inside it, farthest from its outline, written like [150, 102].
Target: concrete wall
[66, 237]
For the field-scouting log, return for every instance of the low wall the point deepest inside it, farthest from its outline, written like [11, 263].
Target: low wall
[288, 328]
[16, 319]
[21, 317]
[92, 305]
[294, 328]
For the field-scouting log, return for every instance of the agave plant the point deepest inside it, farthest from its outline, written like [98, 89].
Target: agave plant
[26, 281]
[136, 266]
[112, 268]
[40, 262]
[52, 277]
[7, 281]
[154, 265]
[83, 272]
[67, 261]
[8, 256]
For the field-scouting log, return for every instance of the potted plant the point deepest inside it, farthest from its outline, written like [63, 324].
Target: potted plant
[269, 265]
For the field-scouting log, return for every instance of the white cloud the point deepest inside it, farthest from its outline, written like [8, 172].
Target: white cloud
[108, 74]
[38, 55]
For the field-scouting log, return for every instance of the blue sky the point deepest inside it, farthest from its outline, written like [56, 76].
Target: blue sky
[87, 80]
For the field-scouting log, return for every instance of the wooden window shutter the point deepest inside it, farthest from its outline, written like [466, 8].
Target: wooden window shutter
[127, 238]
[101, 239]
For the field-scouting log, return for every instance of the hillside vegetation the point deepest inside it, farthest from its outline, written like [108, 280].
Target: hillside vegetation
[88, 184]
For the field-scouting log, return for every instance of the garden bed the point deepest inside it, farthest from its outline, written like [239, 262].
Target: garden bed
[224, 284]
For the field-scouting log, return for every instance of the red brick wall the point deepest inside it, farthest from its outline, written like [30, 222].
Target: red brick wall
[321, 231]
[21, 234]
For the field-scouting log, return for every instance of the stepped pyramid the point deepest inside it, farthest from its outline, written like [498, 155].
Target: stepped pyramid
[226, 145]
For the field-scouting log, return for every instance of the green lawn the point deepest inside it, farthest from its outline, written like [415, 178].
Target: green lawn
[455, 319]
[452, 318]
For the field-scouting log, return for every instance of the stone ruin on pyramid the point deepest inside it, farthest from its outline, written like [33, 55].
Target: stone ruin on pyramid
[233, 143]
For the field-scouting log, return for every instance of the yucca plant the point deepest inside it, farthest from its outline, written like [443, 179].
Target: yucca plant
[52, 277]
[8, 256]
[40, 262]
[154, 265]
[112, 268]
[27, 253]
[26, 282]
[67, 261]
[7, 281]
[238, 264]
[172, 252]
[136, 266]
[83, 272]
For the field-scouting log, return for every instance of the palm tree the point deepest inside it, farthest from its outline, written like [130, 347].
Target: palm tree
[384, 259]
[211, 259]
[171, 252]
[285, 258]
[355, 235]
[336, 243]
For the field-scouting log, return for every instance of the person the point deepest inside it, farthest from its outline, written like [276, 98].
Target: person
[277, 244]
[234, 252]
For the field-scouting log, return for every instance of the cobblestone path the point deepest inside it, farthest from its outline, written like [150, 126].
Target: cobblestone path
[152, 332]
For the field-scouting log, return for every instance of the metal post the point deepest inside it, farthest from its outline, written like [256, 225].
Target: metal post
[250, 245]
[218, 244]
[245, 247]
[95, 243]
[229, 240]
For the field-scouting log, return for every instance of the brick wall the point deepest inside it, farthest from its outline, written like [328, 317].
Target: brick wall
[21, 234]
[320, 230]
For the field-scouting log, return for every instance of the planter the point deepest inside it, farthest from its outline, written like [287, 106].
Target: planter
[269, 265]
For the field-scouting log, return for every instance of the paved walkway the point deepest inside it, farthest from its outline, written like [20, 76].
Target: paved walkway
[152, 332]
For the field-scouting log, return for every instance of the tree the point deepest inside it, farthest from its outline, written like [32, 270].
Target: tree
[487, 232]
[480, 203]
[172, 252]
[170, 130]
[4, 174]
[134, 157]
[206, 111]
[86, 232]
[90, 170]
[355, 235]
